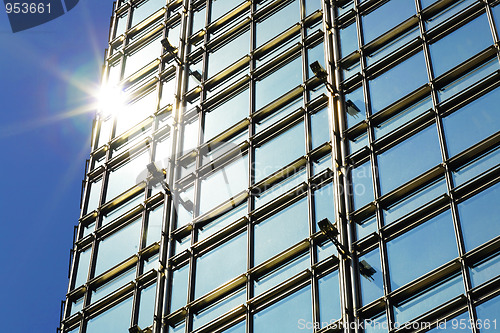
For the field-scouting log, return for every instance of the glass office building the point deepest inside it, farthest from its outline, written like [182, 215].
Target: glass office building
[396, 142]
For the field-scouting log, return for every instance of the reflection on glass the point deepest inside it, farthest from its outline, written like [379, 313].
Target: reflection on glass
[485, 270]
[322, 164]
[76, 306]
[219, 308]
[324, 204]
[280, 188]
[398, 81]
[126, 175]
[291, 224]
[460, 45]
[403, 117]
[367, 227]
[434, 241]
[121, 25]
[477, 166]
[489, 311]
[179, 288]
[135, 112]
[222, 221]
[290, 144]
[429, 299]
[392, 46]
[120, 210]
[94, 195]
[320, 129]
[280, 274]
[150, 263]
[137, 59]
[112, 319]
[145, 9]
[414, 201]
[277, 115]
[457, 7]
[348, 39]
[472, 123]
[83, 267]
[228, 54]
[479, 217]
[372, 285]
[358, 143]
[362, 186]
[277, 22]
[117, 247]
[329, 298]
[421, 152]
[153, 231]
[286, 315]
[356, 97]
[146, 306]
[213, 268]
[113, 285]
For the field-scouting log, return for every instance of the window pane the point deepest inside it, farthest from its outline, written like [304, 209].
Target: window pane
[218, 309]
[135, 112]
[125, 176]
[479, 217]
[153, 230]
[372, 286]
[222, 221]
[460, 45]
[146, 306]
[231, 179]
[220, 7]
[141, 57]
[414, 201]
[362, 186]
[117, 247]
[472, 123]
[387, 17]
[365, 228]
[444, 15]
[280, 188]
[277, 83]
[356, 97]
[324, 204]
[398, 81]
[113, 285]
[288, 315]
[474, 168]
[320, 129]
[228, 54]
[348, 39]
[453, 325]
[291, 224]
[421, 151]
[281, 274]
[213, 268]
[120, 210]
[485, 270]
[277, 22]
[434, 241]
[83, 267]
[488, 312]
[329, 298]
[226, 115]
[179, 288]
[145, 9]
[94, 195]
[392, 46]
[112, 320]
[290, 145]
[429, 299]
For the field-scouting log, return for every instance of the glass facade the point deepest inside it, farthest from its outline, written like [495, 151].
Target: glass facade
[397, 147]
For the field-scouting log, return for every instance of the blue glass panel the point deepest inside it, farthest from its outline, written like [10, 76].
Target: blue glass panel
[485, 270]
[377, 324]
[429, 299]
[472, 123]
[460, 45]
[387, 17]
[362, 186]
[118, 247]
[281, 274]
[367, 227]
[414, 201]
[312, 6]
[326, 251]
[83, 267]
[288, 315]
[356, 97]
[222, 221]
[76, 306]
[213, 269]
[316, 53]
[179, 292]
[372, 287]
[434, 241]
[108, 217]
[290, 144]
[358, 143]
[228, 54]
[219, 308]
[487, 313]
[322, 164]
[277, 22]
[442, 16]
[320, 129]
[153, 231]
[323, 204]
[277, 83]
[126, 175]
[280, 188]
[94, 195]
[476, 167]
[291, 224]
[113, 285]
[392, 46]
[226, 115]
[479, 217]
[238, 328]
[421, 151]
[469, 79]
[403, 117]
[146, 306]
[329, 298]
[112, 321]
[398, 81]
[277, 115]
[348, 39]
[145, 9]
[221, 7]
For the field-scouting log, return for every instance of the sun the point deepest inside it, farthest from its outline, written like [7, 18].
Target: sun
[110, 100]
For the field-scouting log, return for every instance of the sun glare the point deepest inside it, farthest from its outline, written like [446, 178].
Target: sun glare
[110, 100]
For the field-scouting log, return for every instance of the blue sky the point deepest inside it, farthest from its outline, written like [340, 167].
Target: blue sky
[47, 75]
